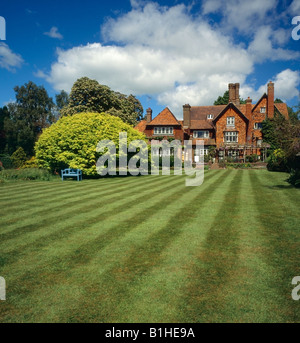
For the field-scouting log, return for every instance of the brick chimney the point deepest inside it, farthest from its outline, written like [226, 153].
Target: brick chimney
[149, 115]
[248, 108]
[187, 116]
[249, 116]
[271, 99]
[232, 93]
[237, 95]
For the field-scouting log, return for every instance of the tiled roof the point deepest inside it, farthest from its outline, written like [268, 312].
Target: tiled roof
[201, 124]
[282, 108]
[201, 112]
[166, 117]
[141, 126]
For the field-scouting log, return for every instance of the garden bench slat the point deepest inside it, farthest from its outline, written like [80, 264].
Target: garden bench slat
[71, 172]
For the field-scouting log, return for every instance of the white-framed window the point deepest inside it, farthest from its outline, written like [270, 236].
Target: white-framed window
[230, 121]
[164, 131]
[210, 116]
[258, 126]
[263, 110]
[201, 134]
[231, 137]
[201, 152]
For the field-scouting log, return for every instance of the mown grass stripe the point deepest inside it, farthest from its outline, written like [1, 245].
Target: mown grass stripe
[280, 232]
[214, 263]
[101, 215]
[61, 189]
[154, 209]
[64, 213]
[70, 199]
[164, 289]
[119, 280]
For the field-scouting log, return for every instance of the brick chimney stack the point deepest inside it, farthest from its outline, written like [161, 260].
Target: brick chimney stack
[237, 95]
[232, 93]
[149, 115]
[271, 91]
[187, 116]
[248, 108]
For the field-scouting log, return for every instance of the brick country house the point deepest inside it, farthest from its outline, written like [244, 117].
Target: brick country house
[233, 130]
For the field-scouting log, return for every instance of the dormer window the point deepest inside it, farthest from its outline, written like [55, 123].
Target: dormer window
[164, 131]
[263, 110]
[230, 121]
[210, 117]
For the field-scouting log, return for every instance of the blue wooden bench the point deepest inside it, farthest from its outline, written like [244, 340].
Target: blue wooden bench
[70, 172]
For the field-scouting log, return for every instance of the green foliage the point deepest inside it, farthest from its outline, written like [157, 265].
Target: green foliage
[32, 163]
[238, 165]
[62, 100]
[18, 158]
[89, 96]
[31, 112]
[72, 141]
[252, 158]
[4, 114]
[6, 161]
[25, 174]
[294, 178]
[277, 161]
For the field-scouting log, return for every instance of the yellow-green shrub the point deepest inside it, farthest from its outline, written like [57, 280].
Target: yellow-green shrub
[72, 141]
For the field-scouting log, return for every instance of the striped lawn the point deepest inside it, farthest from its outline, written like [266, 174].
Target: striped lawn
[150, 249]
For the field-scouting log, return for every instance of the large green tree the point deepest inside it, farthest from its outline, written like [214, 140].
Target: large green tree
[89, 96]
[28, 115]
[4, 114]
[72, 141]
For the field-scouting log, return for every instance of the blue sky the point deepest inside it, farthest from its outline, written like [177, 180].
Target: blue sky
[167, 53]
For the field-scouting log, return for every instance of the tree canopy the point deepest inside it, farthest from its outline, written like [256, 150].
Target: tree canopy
[89, 96]
[27, 116]
[72, 141]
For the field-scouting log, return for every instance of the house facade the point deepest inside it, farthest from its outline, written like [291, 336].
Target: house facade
[232, 130]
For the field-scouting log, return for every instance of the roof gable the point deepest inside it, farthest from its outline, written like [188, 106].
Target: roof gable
[232, 106]
[259, 101]
[282, 108]
[166, 117]
[141, 126]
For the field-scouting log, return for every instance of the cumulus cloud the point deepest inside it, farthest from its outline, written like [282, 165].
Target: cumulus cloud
[171, 54]
[294, 8]
[240, 14]
[8, 59]
[261, 48]
[53, 33]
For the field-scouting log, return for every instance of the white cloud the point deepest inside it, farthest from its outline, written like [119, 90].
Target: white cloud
[286, 85]
[243, 15]
[262, 49]
[171, 54]
[294, 8]
[53, 33]
[8, 59]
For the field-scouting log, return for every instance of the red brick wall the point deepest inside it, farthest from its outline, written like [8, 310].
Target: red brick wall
[240, 127]
[257, 117]
[178, 132]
